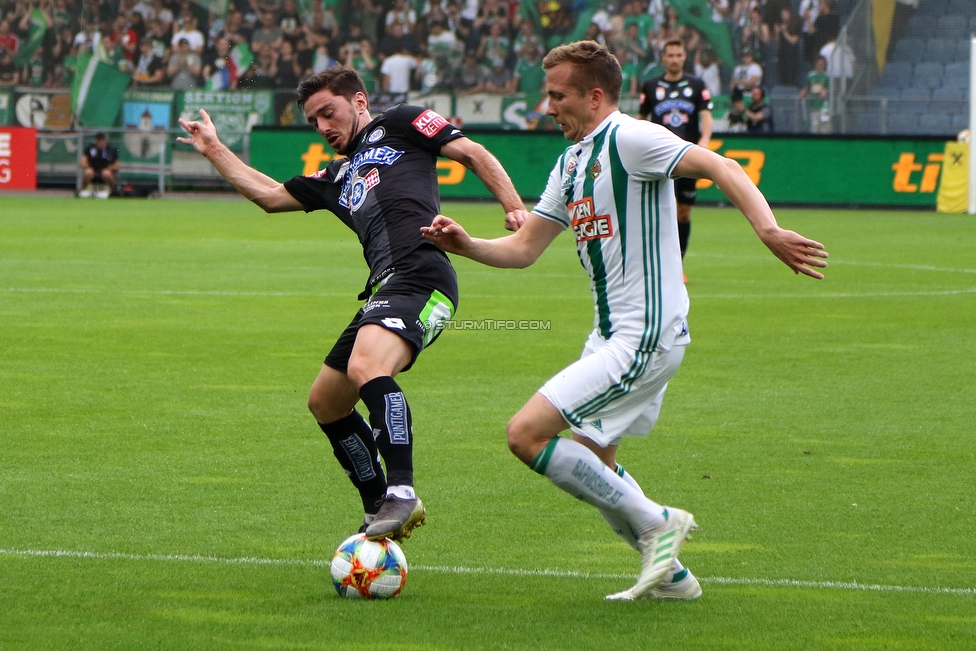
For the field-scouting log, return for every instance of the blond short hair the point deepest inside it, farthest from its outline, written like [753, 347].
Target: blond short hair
[594, 67]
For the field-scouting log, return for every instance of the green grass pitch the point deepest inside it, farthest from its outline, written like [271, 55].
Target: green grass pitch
[162, 485]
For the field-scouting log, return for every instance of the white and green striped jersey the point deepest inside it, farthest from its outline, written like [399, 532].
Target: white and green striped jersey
[614, 189]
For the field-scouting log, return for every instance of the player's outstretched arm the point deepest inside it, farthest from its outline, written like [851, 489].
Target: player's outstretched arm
[259, 188]
[802, 255]
[515, 251]
[480, 161]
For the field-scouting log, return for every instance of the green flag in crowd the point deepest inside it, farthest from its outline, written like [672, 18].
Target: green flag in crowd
[96, 94]
[698, 14]
[38, 25]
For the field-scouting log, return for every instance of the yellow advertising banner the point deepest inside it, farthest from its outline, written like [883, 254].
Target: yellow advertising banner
[953, 193]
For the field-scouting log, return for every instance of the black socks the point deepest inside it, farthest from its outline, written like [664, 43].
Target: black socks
[354, 447]
[389, 415]
[684, 232]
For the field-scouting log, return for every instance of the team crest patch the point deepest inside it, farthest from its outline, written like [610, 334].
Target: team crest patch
[429, 123]
[376, 135]
[361, 187]
[595, 169]
[659, 93]
[587, 225]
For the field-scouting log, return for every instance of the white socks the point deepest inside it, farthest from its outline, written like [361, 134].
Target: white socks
[623, 529]
[578, 471]
[403, 492]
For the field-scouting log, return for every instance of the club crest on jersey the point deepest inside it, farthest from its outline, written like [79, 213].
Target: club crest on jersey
[595, 169]
[361, 187]
[376, 135]
[676, 119]
[587, 225]
[429, 123]
[659, 93]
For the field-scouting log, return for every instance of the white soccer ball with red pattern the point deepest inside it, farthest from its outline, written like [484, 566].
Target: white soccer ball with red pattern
[368, 569]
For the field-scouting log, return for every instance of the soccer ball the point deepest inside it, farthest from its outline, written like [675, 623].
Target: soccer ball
[368, 569]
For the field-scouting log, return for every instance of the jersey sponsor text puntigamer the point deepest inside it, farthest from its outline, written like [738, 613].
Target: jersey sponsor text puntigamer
[386, 188]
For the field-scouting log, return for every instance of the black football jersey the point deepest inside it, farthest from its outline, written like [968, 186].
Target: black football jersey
[100, 158]
[386, 188]
[676, 105]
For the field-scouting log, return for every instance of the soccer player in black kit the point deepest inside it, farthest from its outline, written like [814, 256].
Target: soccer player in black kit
[683, 104]
[384, 189]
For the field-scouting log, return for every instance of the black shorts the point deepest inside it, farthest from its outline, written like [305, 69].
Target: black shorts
[414, 302]
[685, 192]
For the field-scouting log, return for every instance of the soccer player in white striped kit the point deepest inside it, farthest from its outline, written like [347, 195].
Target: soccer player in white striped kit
[614, 188]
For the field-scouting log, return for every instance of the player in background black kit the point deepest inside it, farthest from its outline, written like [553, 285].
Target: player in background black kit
[683, 104]
[99, 166]
[384, 190]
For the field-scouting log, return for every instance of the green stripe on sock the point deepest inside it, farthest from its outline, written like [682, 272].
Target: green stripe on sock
[541, 462]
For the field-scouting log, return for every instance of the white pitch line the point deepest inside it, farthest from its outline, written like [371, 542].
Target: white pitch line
[238, 294]
[250, 560]
[897, 265]
[813, 296]
[166, 292]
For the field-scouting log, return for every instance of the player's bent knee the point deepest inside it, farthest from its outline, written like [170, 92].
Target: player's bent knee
[360, 371]
[521, 441]
[324, 410]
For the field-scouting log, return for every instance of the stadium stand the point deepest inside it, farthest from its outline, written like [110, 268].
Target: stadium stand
[902, 123]
[927, 75]
[951, 93]
[897, 75]
[928, 71]
[934, 124]
[909, 50]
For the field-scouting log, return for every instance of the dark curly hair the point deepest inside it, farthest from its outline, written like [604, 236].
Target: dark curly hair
[338, 80]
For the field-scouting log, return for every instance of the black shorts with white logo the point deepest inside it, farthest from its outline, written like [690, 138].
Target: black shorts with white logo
[414, 301]
[685, 191]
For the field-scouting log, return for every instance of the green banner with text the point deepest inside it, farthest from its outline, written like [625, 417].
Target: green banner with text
[789, 170]
[234, 113]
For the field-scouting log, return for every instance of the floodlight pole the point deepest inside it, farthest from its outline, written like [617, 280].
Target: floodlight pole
[972, 124]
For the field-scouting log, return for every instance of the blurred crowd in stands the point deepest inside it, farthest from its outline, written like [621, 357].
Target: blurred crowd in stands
[466, 46]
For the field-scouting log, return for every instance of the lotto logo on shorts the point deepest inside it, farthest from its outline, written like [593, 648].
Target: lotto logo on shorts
[586, 225]
[429, 123]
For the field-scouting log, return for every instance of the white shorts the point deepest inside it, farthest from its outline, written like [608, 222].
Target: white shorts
[613, 391]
